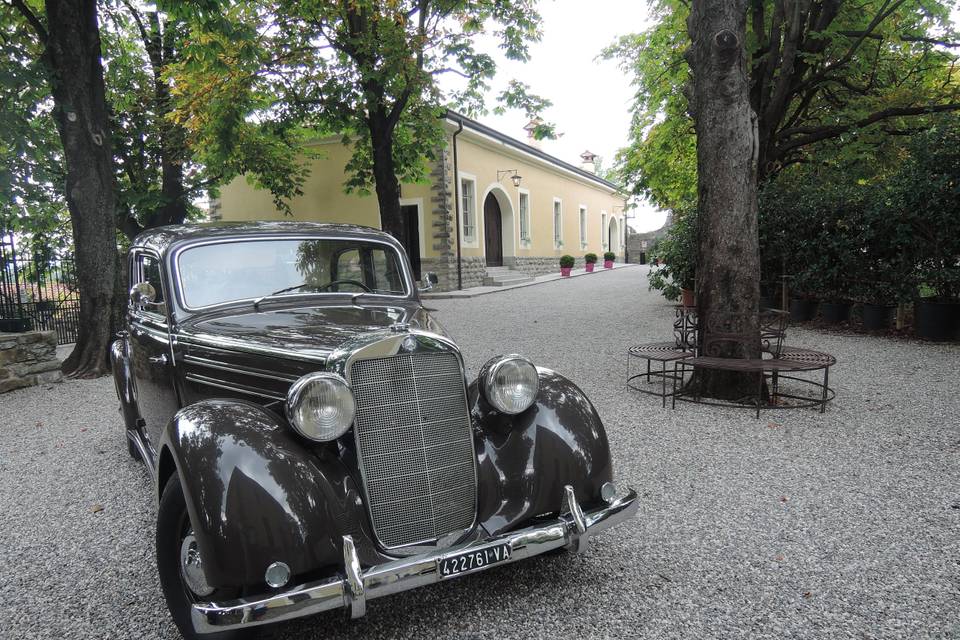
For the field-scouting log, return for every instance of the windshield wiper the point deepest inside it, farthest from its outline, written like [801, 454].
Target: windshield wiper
[256, 303]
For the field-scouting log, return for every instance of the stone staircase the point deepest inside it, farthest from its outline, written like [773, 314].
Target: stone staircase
[504, 277]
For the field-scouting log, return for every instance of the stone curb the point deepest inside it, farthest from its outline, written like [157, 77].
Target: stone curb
[482, 291]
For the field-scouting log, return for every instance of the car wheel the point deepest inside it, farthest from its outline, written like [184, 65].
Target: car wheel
[180, 566]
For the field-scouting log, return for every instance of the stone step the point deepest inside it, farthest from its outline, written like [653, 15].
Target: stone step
[502, 280]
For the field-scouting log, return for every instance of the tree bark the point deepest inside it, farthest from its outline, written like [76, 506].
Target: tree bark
[385, 179]
[728, 265]
[72, 58]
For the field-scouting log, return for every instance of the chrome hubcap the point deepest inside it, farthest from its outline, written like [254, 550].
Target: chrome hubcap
[191, 566]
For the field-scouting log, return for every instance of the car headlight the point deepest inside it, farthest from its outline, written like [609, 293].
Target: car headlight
[320, 406]
[510, 383]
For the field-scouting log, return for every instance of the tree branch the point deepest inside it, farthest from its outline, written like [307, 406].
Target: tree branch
[816, 134]
[31, 18]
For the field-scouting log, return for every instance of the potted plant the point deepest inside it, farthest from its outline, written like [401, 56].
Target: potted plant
[677, 252]
[15, 324]
[608, 258]
[877, 305]
[923, 198]
[590, 260]
[566, 264]
[803, 306]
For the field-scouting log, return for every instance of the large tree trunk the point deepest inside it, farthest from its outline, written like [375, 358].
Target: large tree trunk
[387, 185]
[72, 57]
[728, 265]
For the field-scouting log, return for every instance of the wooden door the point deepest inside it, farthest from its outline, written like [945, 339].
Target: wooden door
[492, 232]
[411, 213]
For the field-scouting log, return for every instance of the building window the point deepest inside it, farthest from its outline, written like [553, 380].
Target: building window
[557, 223]
[603, 230]
[583, 227]
[468, 208]
[525, 218]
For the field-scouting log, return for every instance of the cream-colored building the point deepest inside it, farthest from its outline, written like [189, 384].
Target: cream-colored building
[520, 209]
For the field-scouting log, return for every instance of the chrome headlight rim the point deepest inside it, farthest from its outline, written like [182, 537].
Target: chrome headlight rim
[295, 397]
[489, 373]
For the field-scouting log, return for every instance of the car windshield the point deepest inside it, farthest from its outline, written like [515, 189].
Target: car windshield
[249, 269]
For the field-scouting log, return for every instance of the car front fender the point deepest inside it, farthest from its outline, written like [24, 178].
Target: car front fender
[257, 494]
[525, 460]
[123, 382]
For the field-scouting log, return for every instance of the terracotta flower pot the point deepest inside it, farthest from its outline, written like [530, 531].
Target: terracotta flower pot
[590, 267]
[565, 271]
[687, 298]
[608, 264]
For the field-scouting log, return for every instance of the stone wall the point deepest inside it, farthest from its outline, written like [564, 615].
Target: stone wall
[474, 270]
[538, 266]
[28, 359]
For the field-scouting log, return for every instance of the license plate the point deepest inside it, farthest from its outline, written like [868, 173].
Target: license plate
[467, 561]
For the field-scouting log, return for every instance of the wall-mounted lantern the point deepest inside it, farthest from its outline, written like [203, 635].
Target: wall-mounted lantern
[514, 176]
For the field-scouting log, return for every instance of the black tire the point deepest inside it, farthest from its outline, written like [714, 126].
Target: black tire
[173, 522]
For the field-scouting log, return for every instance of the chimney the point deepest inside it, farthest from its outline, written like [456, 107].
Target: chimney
[588, 161]
[529, 128]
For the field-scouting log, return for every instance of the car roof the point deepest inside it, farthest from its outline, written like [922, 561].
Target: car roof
[161, 239]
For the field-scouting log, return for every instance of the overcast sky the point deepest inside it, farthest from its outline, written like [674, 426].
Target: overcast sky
[591, 98]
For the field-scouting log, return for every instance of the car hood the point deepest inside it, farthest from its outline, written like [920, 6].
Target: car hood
[309, 333]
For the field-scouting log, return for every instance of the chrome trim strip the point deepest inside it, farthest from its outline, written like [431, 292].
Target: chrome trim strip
[579, 542]
[410, 286]
[230, 344]
[213, 364]
[214, 382]
[355, 596]
[399, 575]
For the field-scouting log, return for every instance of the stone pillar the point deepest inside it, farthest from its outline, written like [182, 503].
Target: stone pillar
[442, 230]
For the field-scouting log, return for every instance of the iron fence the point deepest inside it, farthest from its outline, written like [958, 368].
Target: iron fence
[38, 290]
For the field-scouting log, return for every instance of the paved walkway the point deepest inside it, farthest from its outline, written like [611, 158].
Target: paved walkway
[473, 292]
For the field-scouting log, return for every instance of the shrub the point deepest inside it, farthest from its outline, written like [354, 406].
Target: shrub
[926, 195]
[590, 258]
[609, 255]
[678, 249]
[567, 261]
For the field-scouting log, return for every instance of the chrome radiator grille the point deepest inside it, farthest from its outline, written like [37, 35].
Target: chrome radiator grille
[415, 446]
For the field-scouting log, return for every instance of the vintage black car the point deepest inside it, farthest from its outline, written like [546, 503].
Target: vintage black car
[312, 435]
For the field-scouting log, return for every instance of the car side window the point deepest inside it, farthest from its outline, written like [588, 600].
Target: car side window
[386, 271]
[147, 269]
[349, 266]
[376, 268]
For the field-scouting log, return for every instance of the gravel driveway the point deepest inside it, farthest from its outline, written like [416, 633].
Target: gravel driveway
[794, 525]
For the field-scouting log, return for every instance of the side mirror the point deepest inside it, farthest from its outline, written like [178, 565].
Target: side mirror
[429, 279]
[143, 294]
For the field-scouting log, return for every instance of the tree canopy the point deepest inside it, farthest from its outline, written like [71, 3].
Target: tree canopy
[257, 81]
[831, 81]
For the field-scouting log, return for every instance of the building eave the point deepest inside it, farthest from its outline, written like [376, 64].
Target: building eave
[528, 152]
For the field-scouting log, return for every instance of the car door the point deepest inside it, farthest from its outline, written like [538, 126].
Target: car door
[150, 352]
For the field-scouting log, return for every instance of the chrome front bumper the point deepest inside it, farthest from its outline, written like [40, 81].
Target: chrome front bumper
[572, 529]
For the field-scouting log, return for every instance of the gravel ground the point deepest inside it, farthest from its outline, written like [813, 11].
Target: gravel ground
[843, 525]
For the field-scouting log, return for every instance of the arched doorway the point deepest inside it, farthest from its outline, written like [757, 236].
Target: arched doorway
[613, 239]
[492, 231]
[498, 227]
